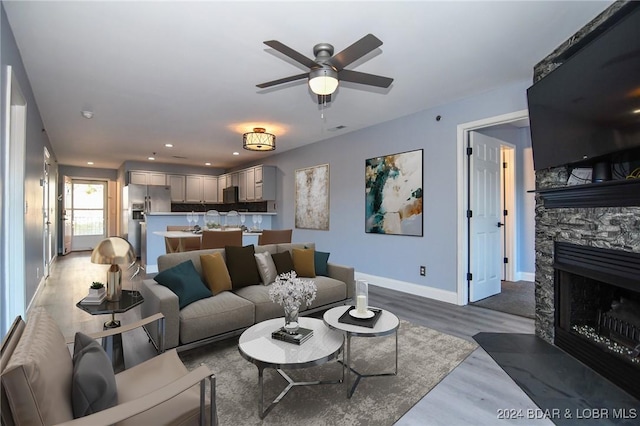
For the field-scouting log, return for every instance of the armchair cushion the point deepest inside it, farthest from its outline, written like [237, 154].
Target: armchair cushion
[93, 387]
[185, 282]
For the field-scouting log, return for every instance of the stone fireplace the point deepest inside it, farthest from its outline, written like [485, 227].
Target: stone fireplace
[576, 228]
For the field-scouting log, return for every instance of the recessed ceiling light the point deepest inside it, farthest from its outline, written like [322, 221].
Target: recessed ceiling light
[168, 145]
[236, 153]
[207, 164]
[90, 163]
[87, 114]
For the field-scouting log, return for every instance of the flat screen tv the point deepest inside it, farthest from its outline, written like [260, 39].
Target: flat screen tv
[589, 107]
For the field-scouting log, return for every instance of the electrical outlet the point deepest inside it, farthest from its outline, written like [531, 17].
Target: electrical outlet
[423, 270]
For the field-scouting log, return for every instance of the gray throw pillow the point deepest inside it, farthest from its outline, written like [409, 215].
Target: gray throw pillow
[93, 386]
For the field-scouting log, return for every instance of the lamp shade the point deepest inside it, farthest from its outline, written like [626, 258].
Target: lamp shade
[323, 81]
[113, 250]
[258, 140]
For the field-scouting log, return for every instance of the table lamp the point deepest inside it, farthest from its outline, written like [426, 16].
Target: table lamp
[112, 251]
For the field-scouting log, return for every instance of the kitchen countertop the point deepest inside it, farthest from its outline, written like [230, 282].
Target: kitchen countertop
[221, 213]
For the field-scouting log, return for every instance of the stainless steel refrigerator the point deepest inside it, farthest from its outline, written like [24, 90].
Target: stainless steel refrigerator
[138, 200]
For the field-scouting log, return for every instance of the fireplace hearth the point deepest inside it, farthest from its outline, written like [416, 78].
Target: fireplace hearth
[597, 310]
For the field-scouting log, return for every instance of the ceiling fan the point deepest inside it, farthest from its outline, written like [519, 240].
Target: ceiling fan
[327, 69]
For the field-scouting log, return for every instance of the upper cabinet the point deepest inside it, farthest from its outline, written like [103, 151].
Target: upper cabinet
[147, 178]
[178, 186]
[201, 189]
[261, 183]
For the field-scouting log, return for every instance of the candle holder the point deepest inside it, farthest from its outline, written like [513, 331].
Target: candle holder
[362, 297]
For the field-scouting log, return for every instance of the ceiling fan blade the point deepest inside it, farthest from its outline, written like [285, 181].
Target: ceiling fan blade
[324, 99]
[364, 78]
[282, 80]
[296, 56]
[354, 52]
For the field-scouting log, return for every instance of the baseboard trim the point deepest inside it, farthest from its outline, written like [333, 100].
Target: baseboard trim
[411, 288]
[526, 276]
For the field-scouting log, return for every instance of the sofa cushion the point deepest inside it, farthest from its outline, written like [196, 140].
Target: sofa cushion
[320, 260]
[37, 379]
[215, 272]
[329, 290]
[185, 282]
[283, 262]
[216, 315]
[303, 262]
[266, 267]
[93, 387]
[242, 266]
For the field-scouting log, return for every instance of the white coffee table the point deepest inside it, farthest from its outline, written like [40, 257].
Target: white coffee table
[387, 324]
[257, 346]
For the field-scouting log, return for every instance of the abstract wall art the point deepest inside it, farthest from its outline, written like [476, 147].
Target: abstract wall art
[312, 198]
[393, 194]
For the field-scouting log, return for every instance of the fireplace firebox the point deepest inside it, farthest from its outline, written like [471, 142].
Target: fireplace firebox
[597, 310]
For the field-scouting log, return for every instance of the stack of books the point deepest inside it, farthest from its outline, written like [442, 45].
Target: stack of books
[301, 336]
[94, 298]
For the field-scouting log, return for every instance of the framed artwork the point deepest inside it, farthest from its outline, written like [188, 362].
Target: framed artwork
[393, 194]
[312, 198]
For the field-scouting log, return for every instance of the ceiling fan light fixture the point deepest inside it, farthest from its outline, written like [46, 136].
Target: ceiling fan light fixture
[259, 140]
[323, 81]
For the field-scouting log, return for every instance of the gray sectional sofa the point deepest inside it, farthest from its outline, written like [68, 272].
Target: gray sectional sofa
[230, 312]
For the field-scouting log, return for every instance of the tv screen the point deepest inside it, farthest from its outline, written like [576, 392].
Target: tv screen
[589, 107]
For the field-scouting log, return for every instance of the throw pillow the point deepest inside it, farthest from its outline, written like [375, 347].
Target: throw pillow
[93, 385]
[303, 262]
[320, 259]
[242, 266]
[283, 262]
[185, 282]
[266, 267]
[215, 272]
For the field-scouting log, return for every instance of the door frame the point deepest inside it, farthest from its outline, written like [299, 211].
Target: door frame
[12, 281]
[463, 252]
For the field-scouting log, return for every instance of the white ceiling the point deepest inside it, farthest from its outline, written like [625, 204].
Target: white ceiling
[186, 72]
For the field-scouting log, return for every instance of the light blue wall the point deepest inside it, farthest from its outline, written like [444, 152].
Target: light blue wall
[37, 140]
[389, 256]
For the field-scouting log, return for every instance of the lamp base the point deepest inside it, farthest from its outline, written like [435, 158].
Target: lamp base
[114, 283]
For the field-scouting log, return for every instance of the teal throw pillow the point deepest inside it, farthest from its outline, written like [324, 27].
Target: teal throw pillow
[320, 259]
[185, 282]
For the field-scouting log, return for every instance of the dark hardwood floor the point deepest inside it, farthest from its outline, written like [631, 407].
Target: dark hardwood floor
[474, 393]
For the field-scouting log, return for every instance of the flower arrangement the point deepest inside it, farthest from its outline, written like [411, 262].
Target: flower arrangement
[289, 290]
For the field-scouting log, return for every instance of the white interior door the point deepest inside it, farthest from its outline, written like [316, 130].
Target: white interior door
[46, 217]
[88, 213]
[67, 225]
[486, 244]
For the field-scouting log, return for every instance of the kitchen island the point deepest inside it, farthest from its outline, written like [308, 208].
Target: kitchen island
[156, 224]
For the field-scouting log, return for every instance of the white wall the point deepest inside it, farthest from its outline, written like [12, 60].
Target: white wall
[396, 258]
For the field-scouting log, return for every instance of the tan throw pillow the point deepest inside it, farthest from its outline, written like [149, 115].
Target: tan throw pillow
[266, 267]
[215, 272]
[303, 262]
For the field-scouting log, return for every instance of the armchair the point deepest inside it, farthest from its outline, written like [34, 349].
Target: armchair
[37, 372]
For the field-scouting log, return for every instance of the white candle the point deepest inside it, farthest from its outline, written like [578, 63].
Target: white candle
[361, 304]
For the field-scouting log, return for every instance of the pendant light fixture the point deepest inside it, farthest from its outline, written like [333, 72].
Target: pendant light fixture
[258, 140]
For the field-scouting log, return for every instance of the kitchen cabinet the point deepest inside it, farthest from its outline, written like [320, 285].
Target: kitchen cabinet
[178, 186]
[264, 183]
[147, 178]
[242, 186]
[201, 189]
[250, 184]
[210, 189]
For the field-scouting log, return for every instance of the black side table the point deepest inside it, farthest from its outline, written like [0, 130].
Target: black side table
[113, 344]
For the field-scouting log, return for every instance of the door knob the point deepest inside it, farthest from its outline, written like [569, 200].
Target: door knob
[500, 224]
